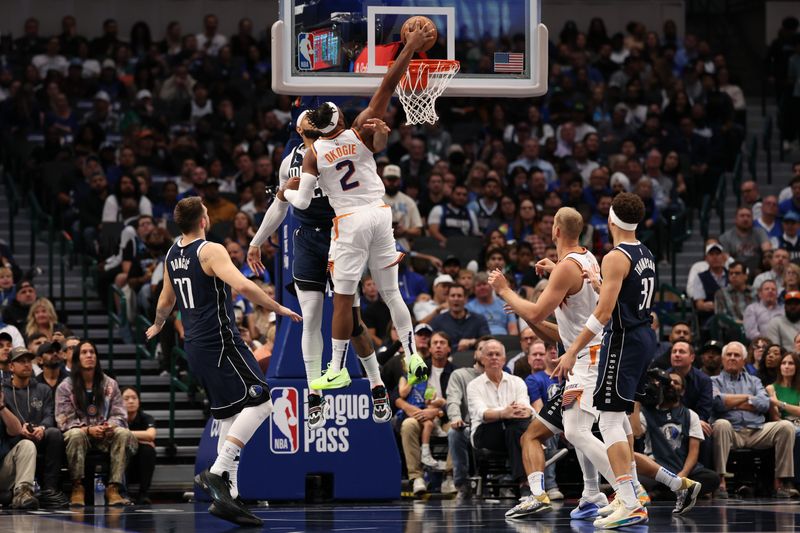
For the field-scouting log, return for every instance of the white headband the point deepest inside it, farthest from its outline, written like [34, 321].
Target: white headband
[300, 118]
[334, 120]
[627, 226]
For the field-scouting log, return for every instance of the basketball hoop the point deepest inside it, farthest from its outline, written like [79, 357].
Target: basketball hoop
[424, 81]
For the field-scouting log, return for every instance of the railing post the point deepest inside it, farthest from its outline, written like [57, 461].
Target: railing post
[172, 384]
[672, 255]
[50, 243]
[111, 320]
[62, 273]
[84, 296]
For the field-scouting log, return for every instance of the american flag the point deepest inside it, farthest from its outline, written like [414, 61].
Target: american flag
[509, 62]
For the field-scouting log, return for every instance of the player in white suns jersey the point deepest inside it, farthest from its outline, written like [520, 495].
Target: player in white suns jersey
[571, 297]
[343, 161]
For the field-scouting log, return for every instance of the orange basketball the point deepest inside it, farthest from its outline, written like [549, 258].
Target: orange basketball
[419, 22]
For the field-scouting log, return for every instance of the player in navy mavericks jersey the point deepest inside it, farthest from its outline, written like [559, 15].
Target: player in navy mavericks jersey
[628, 347]
[199, 275]
[309, 270]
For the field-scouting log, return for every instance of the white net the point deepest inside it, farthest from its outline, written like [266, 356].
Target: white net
[424, 82]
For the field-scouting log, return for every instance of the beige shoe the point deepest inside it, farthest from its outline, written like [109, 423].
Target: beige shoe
[113, 497]
[24, 498]
[77, 498]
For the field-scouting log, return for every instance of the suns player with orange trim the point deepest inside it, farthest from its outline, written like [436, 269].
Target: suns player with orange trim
[570, 295]
[342, 163]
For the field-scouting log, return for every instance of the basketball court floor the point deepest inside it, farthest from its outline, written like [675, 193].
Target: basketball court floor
[405, 517]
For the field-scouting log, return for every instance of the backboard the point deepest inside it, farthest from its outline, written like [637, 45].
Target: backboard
[342, 47]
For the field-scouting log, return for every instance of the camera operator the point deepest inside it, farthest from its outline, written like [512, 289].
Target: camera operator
[671, 431]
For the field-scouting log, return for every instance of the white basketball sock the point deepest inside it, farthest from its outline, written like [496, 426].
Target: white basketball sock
[370, 363]
[311, 342]
[337, 356]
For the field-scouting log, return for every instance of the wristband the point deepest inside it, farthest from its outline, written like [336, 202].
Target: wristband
[594, 325]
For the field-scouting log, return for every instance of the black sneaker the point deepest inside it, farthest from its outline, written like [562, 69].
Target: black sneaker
[316, 411]
[685, 499]
[381, 410]
[218, 487]
[239, 515]
[52, 499]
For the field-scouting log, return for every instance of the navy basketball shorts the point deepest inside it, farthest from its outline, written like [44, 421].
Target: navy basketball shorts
[550, 414]
[624, 359]
[230, 376]
[310, 266]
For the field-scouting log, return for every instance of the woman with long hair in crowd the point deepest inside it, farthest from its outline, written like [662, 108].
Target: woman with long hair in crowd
[42, 318]
[525, 222]
[768, 372]
[242, 231]
[791, 279]
[784, 399]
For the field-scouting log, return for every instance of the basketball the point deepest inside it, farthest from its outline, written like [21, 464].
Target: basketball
[420, 22]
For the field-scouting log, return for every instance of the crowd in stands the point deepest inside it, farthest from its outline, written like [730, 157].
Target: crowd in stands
[112, 133]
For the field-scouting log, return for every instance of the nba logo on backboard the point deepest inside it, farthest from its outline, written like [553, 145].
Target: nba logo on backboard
[284, 428]
[305, 51]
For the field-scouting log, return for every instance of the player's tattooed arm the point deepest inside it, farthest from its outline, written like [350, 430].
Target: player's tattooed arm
[166, 302]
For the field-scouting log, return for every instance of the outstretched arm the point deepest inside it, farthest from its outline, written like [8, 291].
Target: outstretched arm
[380, 100]
[561, 279]
[215, 261]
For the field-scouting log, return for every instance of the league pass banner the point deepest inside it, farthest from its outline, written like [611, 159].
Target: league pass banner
[284, 450]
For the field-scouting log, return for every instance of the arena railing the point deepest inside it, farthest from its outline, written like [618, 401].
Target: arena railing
[13, 200]
[144, 348]
[115, 319]
[679, 232]
[766, 143]
[43, 228]
[175, 384]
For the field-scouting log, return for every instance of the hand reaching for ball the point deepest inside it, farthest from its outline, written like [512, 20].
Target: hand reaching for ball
[419, 34]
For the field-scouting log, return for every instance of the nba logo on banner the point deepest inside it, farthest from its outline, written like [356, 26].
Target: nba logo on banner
[284, 427]
[305, 51]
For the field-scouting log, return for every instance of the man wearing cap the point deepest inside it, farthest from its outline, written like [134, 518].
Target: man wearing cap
[711, 358]
[406, 219]
[53, 371]
[789, 240]
[17, 459]
[32, 403]
[463, 328]
[705, 285]
[453, 218]
[734, 299]
[491, 308]
[744, 242]
[102, 115]
[758, 314]
[16, 313]
[428, 309]
[783, 328]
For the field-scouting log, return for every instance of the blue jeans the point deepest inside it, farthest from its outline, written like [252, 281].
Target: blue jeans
[459, 445]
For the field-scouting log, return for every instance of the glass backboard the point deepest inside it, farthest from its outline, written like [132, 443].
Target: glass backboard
[342, 47]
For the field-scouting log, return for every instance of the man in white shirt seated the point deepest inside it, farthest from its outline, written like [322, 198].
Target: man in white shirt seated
[499, 408]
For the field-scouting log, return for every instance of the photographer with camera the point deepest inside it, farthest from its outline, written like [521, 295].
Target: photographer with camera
[672, 432]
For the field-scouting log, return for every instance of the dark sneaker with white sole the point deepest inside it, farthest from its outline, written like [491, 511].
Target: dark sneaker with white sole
[381, 410]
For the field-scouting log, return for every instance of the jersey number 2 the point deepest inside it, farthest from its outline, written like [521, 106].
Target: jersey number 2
[351, 169]
[180, 282]
[648, 286]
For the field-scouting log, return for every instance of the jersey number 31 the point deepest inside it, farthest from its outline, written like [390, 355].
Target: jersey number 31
[351, 169]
